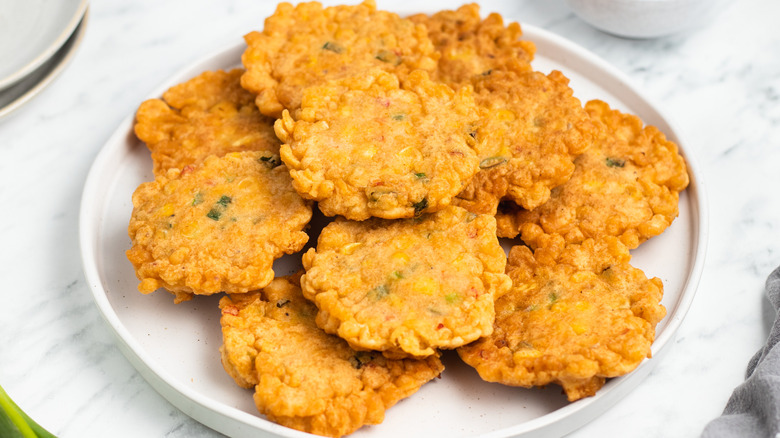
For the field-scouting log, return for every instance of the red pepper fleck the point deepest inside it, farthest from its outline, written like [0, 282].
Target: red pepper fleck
[472, 233]
[384, 102]
[475, 292]
[232, 310]
[456, 153]
[377, 183]
[187, 169]
[440, 326]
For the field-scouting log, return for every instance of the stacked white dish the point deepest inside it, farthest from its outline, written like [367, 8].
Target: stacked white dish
[37, 40]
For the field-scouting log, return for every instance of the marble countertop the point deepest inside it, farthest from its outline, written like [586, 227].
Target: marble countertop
[719, 84]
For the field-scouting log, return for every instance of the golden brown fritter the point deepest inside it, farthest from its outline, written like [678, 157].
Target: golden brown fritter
[208, 115]
[530, 130]
[627, 185]
[304, 378]
[407, 287]
[307, 45]
[369, 146]
[470, 46]
[216, 227]
[575, 315]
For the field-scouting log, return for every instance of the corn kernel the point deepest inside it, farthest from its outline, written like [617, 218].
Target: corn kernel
[344, 34]
[148, 285]
[404, 242]
[524, 287]
[243, 140]
[348, 133]
[579, 277]
[178, 256]
[167, 210]
[582, 306]
[425, 286]
[505, 115]
[526, 353]
[368, 152]
[560, 307]
[410, 153]
[400, 258]
[189, 229]
[350, 248]
[464, 53]
[579, 328]
[395, 301]
[249, 184]
[592, 186]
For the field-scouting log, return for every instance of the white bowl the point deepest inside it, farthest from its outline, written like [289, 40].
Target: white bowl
[645, 18]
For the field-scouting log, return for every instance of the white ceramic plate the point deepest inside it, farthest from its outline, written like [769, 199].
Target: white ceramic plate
[32, 31]
[175, 347]
[23, 91]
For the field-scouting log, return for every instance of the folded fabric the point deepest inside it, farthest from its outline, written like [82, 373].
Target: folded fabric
[754, 408]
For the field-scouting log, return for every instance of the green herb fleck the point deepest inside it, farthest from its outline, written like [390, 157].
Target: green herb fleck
[333, 47]
[375, 195]
[379, 292]
[489, 162]
[397, 275]
[487, 72]
[198, 199]
[219, 207]
[388, 57]
[420, 175]
[615, 162]
[357, 361]
[553, 297]
[419, 207]
[470, 217]
[452, 298]
[282, 303]
[398, 116]
[271, 161]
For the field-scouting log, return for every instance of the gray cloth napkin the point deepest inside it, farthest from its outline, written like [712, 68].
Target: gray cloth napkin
[754, 408]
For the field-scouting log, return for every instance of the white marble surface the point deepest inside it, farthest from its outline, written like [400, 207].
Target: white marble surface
[720, 84]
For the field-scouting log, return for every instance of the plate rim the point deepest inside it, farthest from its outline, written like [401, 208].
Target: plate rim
[69, 51]
[203, 409]
[50, 50]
